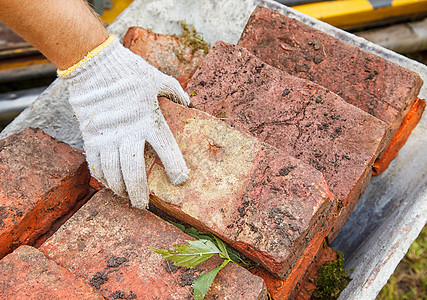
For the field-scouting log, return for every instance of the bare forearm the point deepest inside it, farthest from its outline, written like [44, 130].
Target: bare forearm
[63, 30]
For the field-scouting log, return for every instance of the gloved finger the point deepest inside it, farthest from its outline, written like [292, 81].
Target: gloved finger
[110, 162]
[172, 90]
[133, 169]
[164, 143]
[93, 159]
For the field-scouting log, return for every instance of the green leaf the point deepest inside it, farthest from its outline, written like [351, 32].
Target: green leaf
[223, 247]
[180, 226]
[193, 232]
[189, 255]
[202, 284]
[234, 255]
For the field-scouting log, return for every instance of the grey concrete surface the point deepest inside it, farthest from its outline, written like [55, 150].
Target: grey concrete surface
[392, 211]
[403, 37]
[52, 113]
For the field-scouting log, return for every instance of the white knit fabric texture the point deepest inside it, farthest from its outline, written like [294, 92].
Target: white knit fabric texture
[114, 97]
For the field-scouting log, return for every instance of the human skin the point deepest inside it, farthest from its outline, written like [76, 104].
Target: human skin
[63, 30]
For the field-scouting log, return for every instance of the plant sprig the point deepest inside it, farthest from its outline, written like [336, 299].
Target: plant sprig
[189, 255]
[235, 256]
[196, 252]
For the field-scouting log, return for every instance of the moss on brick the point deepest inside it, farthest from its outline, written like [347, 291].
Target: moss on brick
[332, 279]
[191, 38]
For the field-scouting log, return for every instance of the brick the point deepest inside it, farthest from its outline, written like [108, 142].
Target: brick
[41, 180]
[228, 286]
[59, 222]
[255, 197]
[284, 288]
[308, 284]
[409, 123]
[95, 184]
[300, 117]
[164, 52]
[28, 274]
[343, 212]
[108, 244]
[303, 285]
[373, 84]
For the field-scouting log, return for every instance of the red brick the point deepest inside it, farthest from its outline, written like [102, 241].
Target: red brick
[95, 184]
[255, 197]
[41, 180]
[164, 52]
[109, 237]
[28, 274]
[343, 212]
[282, 289]
[300, 117]
[373, 84]
[59, 222]
[228, 286]
[409, 123]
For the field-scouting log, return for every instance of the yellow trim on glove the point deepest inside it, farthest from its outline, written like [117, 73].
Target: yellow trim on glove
[93, 53]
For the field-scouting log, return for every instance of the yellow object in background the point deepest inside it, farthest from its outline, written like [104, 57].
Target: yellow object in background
[118, 6]
[348, 14]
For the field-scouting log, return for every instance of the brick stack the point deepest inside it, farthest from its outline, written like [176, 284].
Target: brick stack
[313, 115]
[101, 251]
[369, 82]
[293, 107]
[286, 128]
[298, 116]
[107, 243]
[377, 86]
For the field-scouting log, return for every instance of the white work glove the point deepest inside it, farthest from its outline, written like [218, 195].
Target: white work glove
[113, 93]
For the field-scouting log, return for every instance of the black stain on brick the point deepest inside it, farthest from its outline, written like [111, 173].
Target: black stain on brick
[99, 279]
[285, 92]
[318, 59]
[286, 170]
[119, 294]
[92, 215]
[3, 215]
[187, 278]
[170, 267]
[114, 261]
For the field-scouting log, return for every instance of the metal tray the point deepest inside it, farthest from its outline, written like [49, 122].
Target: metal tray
[392, 211]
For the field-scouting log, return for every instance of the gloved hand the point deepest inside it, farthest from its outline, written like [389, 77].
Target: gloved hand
[113, 93]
